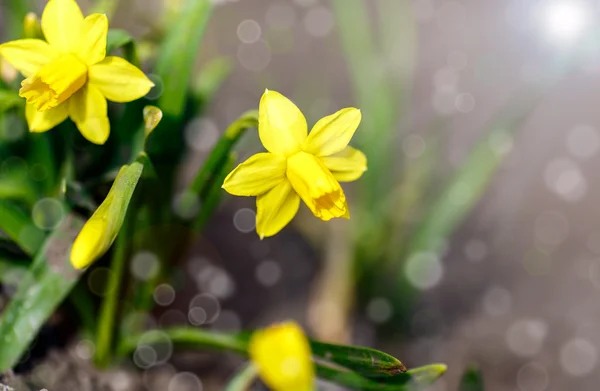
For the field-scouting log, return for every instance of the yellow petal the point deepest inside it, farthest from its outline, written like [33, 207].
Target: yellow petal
[281, 125]
[41, 121]
[91, 47]
[332, 133]
[88, 109]
[28, 55]
[95, 130]
[346, 166]
[317, 187]
[119, 80]
[275, 209]
[62, 21]
[283, 357]
[257, 175]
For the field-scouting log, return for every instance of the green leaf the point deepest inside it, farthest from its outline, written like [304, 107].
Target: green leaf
[218, 157]
[49, 279]
[472, 380]
[413, 380]
[116, 39]
[177, 55]
[211, 198]
[120, 39]
[365, 361]
[243, 379]
[460, 195]
[10, 99]
[19, 226]
[210, 79]
[374, 95]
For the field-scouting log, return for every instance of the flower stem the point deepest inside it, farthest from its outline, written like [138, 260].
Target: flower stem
[108, 312]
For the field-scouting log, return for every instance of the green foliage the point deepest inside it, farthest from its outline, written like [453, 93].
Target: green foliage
[354, 367]
[46, 283]
[177, 55]
[472, 380]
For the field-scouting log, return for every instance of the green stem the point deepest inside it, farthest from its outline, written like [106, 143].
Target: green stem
[108, 311]
[243, 379]
[210, 202]
[218, 157]
[213, 340]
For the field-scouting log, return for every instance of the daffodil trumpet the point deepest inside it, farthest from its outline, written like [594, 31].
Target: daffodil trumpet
[297, 165]
[69, 74]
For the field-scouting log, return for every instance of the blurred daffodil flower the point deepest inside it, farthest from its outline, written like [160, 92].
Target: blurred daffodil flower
[298, 165]
[69, 75]
[283, 357]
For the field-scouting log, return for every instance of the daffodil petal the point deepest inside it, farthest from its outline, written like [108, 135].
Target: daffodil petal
[28, 55]
[118, 80]
[41, 121]
[281, 125]
[275, 209]
[257, 175]
[62, 21]
[332, 134]
[92, 44]
[88, 109]
[346, 166]
[95, 130]
[283, 357]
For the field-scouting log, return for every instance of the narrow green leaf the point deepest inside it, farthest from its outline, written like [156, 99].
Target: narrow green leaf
[210, 200]
[49, 279]
[178, 52]
[210, 79]
[472, 380]
[243, 379]
[9, 99]
[120, 39]
[7, 266]
[220, 153]
[116, 39]
[460, 195]
[365, 361]
[374, 95]
[19, 226]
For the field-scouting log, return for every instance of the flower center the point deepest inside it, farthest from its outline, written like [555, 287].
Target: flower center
[317, 187]
[54, 83]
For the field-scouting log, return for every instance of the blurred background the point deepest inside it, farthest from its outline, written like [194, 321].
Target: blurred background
[475, 234]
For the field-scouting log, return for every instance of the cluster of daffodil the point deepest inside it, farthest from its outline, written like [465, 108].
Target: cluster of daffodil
[68, 75]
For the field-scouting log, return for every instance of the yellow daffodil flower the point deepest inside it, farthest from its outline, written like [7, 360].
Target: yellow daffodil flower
[69, 75]
[298, 165]
[283, 357]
